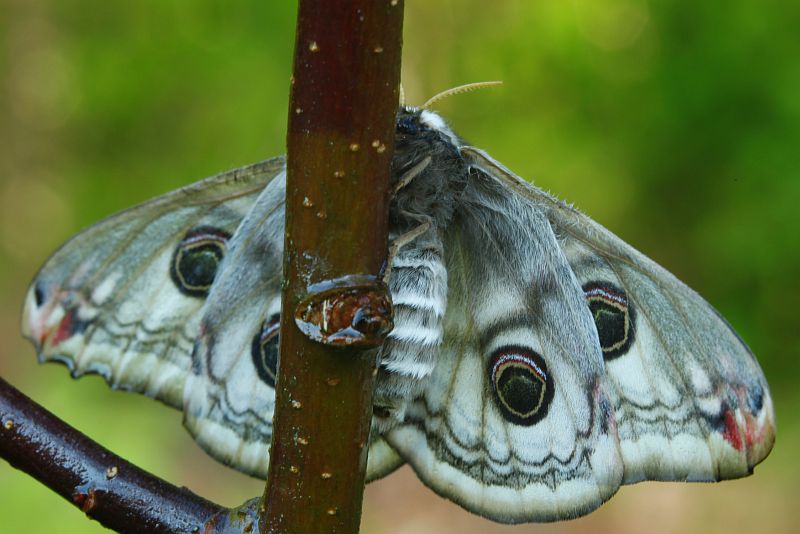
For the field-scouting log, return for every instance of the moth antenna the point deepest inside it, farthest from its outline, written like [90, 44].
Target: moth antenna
[458, 90]
[402, 96]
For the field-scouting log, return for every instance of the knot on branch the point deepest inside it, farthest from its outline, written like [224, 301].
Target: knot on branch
[351, 311]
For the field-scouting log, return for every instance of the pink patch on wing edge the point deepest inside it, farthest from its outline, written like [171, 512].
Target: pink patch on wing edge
[731, 434]
[755, 430]
[65, 328]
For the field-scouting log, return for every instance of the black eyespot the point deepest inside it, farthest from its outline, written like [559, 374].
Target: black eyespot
[755, 399]
[197, 256]
[38, 294]
[522, 386]
[265, 350]
[613, 316]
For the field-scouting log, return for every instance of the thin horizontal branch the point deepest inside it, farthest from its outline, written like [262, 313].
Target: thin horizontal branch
[107, 488]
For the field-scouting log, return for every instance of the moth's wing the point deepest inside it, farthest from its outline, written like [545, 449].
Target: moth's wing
[110, 301]
[690, 399]
[514, 423]
[230, 395]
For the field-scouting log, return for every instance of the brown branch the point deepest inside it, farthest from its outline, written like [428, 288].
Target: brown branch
[340, 142]
[107, 488]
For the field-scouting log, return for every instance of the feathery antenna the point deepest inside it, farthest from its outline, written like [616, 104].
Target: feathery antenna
[458, 90]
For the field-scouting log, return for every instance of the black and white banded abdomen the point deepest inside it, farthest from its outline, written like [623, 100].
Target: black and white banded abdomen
[418, 284]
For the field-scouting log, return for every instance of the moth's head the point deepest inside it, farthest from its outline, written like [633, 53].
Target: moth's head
[427, 162]
[418, 123]
[421, 123]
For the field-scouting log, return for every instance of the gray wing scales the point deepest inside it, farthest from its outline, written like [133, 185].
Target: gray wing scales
[229, 397]
[567, 362]
[178, 298]
[122, 298]
[690, 399]
[513, 423]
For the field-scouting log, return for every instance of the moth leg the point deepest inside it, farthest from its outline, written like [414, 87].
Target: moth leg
[410, 174]
[400, 241]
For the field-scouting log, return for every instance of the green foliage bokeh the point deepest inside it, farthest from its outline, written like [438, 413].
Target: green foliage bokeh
[676, 124]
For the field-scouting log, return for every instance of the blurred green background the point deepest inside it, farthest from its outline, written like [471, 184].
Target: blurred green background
[676, 124]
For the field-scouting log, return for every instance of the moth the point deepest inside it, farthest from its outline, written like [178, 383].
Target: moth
[537, 362]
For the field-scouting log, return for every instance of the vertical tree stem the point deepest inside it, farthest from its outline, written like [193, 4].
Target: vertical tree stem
[340, 143]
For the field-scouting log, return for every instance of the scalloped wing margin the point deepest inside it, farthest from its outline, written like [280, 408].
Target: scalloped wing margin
[104, 302]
